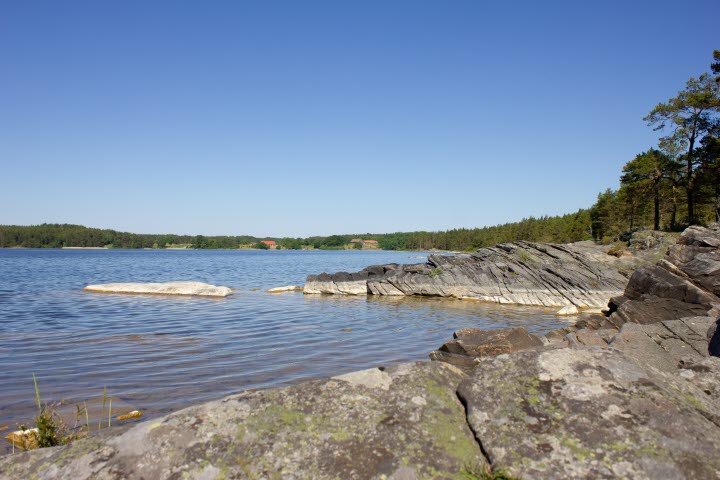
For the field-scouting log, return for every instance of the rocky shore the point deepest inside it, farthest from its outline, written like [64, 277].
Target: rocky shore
[634, 394]
[582, 275]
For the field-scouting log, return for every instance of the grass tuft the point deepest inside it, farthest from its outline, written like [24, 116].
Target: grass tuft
[50, 428]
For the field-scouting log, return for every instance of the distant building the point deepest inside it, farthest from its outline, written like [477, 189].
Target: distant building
[270, 243]
[356, 240]
[370, 242]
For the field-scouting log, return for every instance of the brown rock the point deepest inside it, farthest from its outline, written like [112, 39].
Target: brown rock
[475, 342]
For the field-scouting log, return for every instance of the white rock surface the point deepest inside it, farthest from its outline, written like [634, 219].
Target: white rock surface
[168, 288]
[287, 288]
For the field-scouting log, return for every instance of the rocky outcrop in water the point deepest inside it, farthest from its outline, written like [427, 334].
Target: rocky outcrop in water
[680, 291]
[167, 288]
[524, 273]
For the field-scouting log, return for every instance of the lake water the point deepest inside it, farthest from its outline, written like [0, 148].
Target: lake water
[161, 353]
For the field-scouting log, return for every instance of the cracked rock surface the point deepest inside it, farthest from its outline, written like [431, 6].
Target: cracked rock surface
[524, 273]
[589, 413]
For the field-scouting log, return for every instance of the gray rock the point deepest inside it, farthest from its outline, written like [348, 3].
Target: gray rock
[464, 362]
[702, 264]
[701, 236]
[594, 338]
[523, 273]
[588, 413]
[651, 309]
[403, 422]
[684, 284]
[655, 281]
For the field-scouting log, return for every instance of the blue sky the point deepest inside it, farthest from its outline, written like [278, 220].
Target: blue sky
[319, 117]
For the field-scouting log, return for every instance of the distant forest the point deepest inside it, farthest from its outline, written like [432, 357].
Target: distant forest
[667, 187]
[564, 228]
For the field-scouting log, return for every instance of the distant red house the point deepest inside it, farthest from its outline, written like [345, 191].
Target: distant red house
[370, 242]
[269, 243]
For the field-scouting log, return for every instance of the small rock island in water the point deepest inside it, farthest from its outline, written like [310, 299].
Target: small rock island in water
[167, 288]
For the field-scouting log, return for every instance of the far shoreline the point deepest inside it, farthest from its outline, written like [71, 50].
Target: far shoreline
[244, 249]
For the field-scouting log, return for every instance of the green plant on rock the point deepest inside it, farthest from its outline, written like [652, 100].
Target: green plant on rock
[525, 257]
[51, 428]
[434, 272]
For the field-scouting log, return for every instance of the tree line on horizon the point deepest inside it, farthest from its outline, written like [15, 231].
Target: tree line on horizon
[671, 185]
[559, 229]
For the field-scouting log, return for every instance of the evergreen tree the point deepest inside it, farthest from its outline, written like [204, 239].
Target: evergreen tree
[689, 116]
[647, 174]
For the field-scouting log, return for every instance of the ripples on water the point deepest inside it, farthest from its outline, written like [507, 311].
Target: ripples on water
[160, 353]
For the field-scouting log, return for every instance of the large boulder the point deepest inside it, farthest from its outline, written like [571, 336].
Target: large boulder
[686, 283]
[589, 413]
[471, 343]
[523, 273]
[404, 422]
[477, 342]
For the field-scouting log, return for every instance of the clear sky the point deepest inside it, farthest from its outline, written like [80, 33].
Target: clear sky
[317, 117]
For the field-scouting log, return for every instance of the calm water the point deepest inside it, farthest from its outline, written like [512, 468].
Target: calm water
[161, 353]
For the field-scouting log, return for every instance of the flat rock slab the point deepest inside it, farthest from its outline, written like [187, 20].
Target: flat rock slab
[168, 288]
[404, 422]
[589, 413]
[287, 288]
[476, 342]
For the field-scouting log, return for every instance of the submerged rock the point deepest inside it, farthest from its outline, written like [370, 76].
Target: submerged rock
[168, 288]
[287, 288]
[568, 310]
[522, 273]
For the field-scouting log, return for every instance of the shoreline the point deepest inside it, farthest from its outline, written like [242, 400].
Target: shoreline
[624, 395]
